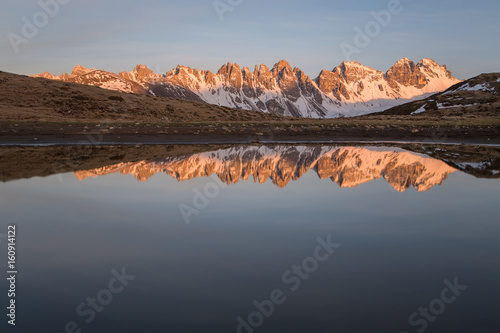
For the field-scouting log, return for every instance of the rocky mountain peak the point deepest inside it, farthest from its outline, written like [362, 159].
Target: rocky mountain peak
[349, 64]
[427, 62]
[263, 76]
[79, 70]
[406, 73]
[286, 80]
[248, 81]
[47, 75]
[433, 69]
[279, 66]
[333, 82]
[232, 75]
[183, 69]
[142, 72]
[263, 70]
[228, 68]
[403, 63]
[353, 71]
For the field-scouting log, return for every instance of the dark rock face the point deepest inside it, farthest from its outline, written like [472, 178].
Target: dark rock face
[333, 82]
[405, 72]
[79, 70]
[232, 74]
[263, 77]
[143, 73]
[307, 86]
[261, 106]
[275, 107]
[125, 75]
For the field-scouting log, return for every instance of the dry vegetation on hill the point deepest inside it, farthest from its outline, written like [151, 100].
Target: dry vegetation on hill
[38, 99]
[477, 98]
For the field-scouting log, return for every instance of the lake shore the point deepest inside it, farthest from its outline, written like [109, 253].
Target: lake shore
[68, 133]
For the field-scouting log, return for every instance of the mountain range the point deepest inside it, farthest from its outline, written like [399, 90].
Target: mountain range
[350, 89]
[347, 166]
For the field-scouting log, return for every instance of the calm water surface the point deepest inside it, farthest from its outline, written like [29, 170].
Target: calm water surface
[365, 239]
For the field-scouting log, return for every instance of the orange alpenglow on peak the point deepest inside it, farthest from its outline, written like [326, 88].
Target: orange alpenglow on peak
[79, 70]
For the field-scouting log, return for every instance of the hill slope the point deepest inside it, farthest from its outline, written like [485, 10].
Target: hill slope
[478, 97]
[39, 99]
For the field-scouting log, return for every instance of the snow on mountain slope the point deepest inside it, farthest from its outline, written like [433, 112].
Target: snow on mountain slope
[110, 81]
[364, 90]
[348, 90]
[346, 166]
[98, 78]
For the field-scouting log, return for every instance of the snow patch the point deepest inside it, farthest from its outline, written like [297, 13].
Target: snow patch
[474, 165]
[442, 106]
[421, 110]
[478, 87]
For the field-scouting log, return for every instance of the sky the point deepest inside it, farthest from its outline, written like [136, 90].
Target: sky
[312, 35]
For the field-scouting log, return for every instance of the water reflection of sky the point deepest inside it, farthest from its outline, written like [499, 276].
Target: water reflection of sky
[396, 250]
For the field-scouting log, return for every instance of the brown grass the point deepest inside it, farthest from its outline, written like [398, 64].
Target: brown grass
[24, 98]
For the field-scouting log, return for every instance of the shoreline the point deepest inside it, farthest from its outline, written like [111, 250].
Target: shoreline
[50, 141]
[20, 162]
[36, 133]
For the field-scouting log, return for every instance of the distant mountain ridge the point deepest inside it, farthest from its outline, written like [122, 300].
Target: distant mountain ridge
[350, 89]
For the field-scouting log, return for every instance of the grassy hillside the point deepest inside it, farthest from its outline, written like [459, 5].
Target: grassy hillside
[39, 99]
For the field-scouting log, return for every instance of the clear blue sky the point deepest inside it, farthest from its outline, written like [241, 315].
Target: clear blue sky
[116, 35]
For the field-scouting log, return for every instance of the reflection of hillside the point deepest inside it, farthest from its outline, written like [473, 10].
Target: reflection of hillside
[347, 166]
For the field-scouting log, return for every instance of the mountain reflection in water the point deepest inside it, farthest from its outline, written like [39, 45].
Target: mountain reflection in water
[346, 166]
[203, 256]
